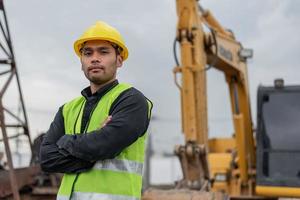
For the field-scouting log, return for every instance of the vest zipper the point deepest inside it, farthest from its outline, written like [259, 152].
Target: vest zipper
[74, 132]
[91, 113]
[77, 174]
[74, 128]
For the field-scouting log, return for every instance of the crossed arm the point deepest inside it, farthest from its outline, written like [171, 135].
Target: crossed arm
[65, 153]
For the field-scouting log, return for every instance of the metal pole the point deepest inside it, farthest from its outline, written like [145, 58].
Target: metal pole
[13, 65]
[12, 174]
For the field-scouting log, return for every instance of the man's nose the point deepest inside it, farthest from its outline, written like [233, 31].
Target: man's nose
[96, 58]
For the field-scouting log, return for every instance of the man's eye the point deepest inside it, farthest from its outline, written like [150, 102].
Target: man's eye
[87, 53]
[104, 52]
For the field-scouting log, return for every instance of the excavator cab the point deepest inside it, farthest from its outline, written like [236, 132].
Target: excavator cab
[278, 136]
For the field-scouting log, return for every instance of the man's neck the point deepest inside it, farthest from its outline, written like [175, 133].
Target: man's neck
[96, 87]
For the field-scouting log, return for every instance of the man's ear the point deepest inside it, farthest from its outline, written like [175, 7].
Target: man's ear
[119, 61]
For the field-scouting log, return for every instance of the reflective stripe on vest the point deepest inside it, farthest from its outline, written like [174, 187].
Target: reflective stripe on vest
[120, 166]
[62, 197]
[117, 179]
[94, 196]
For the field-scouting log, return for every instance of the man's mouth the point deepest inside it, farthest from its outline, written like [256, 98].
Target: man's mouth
[95, 68]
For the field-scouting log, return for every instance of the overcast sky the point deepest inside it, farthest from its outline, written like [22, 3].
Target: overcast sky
[43, 33]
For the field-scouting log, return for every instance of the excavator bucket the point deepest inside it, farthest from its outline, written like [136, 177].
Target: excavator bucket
[182, 194]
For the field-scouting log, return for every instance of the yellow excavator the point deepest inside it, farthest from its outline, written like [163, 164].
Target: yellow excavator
[252, 164]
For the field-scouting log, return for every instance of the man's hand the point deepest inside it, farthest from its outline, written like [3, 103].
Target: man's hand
[106, 121]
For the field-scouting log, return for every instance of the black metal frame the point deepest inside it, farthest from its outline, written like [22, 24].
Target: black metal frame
[7, 48]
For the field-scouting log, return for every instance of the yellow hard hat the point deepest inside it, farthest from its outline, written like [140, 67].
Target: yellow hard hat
[102, 31]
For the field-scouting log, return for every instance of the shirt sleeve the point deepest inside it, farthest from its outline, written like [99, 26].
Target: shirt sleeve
[129, 121]
[54, 160]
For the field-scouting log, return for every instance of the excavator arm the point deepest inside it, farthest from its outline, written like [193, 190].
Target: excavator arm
[227, 55]
[192, 156]
[218, 49]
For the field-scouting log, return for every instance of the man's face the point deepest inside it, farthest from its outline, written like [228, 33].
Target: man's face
[99, 61]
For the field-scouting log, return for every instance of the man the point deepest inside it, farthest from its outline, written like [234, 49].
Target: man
[98, 139]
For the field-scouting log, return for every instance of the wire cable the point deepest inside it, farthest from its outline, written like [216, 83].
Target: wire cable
[175, 51]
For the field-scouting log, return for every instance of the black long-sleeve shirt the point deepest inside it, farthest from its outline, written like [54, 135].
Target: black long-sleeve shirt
[66, 153]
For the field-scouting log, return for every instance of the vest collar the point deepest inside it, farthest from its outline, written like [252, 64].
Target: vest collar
[86, 92]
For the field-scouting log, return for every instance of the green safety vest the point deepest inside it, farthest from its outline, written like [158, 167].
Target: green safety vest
[119, 178]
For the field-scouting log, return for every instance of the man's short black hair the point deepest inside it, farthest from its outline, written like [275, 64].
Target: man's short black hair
[117, 48]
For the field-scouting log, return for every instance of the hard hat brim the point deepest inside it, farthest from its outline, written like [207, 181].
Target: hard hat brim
[78, 45]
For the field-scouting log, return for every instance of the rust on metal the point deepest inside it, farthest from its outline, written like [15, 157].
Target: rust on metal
[12, 175]
[24, 176]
